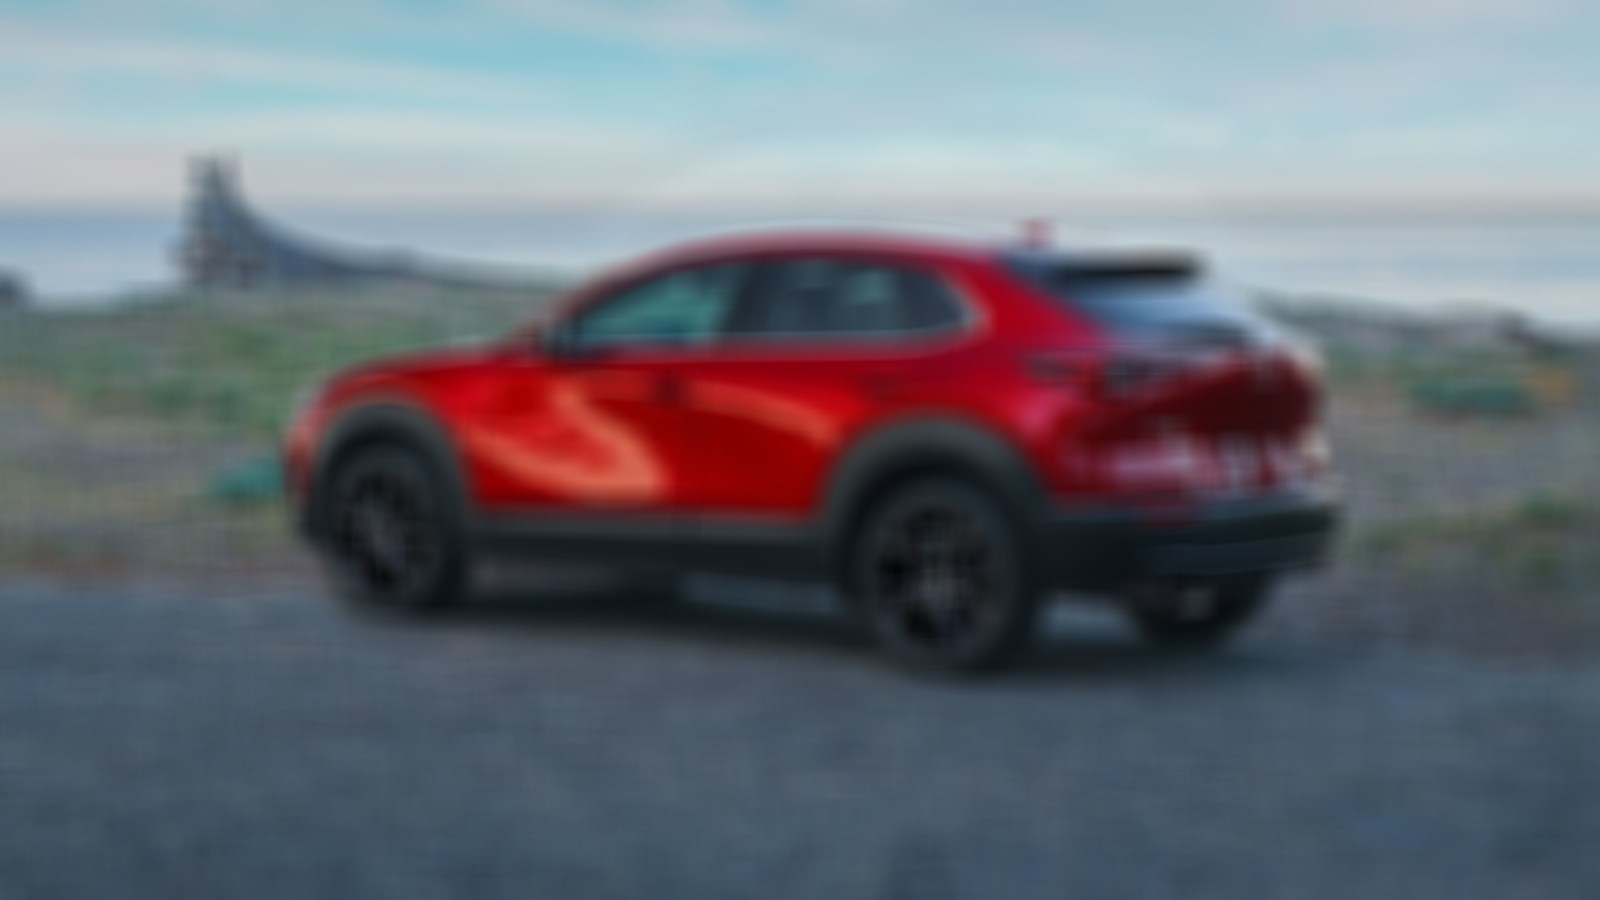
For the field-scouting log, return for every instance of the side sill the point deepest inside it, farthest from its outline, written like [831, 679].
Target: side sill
[733, 547]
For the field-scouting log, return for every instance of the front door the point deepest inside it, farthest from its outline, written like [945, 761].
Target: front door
[592, 439]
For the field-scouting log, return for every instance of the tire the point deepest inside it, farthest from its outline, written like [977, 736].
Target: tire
[391, 534]
[1197, 613]
[940, 577]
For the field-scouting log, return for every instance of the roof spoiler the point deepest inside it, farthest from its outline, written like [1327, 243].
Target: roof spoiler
[1133, 264]
[1122, 264]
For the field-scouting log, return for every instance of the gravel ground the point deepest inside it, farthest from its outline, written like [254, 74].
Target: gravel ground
[166, 743]
[1395, 464]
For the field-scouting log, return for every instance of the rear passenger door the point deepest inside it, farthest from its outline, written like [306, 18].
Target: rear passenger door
[815, 348]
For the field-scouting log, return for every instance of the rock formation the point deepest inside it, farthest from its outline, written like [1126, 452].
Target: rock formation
[227, 245]
[13, 291]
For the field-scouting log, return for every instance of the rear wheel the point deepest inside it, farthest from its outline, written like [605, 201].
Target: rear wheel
[1197, 612]
[389, 534]
[942, 580]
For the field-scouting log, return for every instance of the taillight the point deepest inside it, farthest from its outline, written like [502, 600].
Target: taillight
[1106, 375]
[1075, 370]
[1133, 375]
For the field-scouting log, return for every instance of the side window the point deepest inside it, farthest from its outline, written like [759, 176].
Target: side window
[684, 307]
[840, 297]
[867, 299]
[930, 303]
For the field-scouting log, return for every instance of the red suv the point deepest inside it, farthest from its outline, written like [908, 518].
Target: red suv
[947, 431]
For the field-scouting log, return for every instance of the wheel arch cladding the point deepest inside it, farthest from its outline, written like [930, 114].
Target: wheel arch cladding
[394, 423]
[926, 448]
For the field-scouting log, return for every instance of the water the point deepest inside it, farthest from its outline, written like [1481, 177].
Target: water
[1546, 266]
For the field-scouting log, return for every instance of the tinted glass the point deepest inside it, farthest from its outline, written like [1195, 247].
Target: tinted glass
[688, 306]
[1140, 298]
[930, 303]
[825, 296]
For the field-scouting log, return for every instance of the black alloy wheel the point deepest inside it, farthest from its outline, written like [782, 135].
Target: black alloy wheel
[942, 580]
[389, 534]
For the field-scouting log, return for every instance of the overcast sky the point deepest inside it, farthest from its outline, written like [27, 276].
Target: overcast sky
[720, 102]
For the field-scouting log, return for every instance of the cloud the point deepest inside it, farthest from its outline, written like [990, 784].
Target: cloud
[698, 24]
[1424, 15]
[844, 35]
[31, 52]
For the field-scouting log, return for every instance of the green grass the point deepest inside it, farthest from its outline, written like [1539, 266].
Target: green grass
[233, 364]
[1472, 395]
[1541, 543]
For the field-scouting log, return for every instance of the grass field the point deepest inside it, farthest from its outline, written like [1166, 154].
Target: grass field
[232, 364]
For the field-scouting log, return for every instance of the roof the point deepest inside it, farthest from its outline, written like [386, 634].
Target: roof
[903, 244]
[821, 242]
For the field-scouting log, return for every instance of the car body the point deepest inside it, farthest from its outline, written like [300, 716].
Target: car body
[744, 405]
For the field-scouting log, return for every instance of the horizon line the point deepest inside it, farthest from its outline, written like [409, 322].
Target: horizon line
[987, 207]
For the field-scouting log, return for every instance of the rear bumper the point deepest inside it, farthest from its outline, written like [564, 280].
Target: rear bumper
[1096, 549]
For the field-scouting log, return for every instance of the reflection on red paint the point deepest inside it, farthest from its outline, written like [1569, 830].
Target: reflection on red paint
[767, 409]
[577, 452]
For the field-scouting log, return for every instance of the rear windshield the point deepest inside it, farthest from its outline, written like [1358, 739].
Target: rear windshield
[1136, 295]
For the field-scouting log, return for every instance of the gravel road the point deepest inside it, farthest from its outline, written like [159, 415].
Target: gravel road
[164, 743]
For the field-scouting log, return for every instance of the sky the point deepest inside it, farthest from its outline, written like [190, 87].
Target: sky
[818, 103]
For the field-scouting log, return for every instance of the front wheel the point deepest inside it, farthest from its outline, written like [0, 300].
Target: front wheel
[942, 579]
[1185, 613]
[390, 538]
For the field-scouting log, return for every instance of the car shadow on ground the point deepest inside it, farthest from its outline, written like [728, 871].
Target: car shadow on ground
[1075, 644]
[599, 612]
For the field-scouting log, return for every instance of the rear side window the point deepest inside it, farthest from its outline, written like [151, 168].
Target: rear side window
[1138, 296]
[842, 297]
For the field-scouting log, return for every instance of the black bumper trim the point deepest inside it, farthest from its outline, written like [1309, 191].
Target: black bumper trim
[1236, 556]
[1099, 549]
